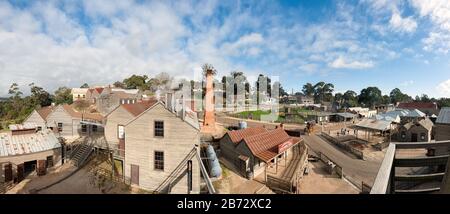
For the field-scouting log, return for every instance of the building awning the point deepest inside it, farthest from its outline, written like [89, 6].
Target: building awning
[378, 125]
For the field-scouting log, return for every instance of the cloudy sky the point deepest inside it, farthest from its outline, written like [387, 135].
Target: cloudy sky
[353, 44]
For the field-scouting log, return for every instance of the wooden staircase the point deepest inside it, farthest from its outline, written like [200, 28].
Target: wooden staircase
[81, 153]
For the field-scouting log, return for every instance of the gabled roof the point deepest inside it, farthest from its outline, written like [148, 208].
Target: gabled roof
[444, 116]
[417, 105]
[426, 123]
[99, 90]
[237, 135]
[137, 108]
[45, 111]
[75, 114]
[265, 145]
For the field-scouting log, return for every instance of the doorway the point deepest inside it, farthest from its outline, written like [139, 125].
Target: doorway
[414, 137]
[134, 174]
[29, 167]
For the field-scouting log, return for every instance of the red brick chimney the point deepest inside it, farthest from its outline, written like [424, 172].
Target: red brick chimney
[209, 122]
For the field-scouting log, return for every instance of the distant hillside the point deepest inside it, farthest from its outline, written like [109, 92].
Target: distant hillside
[3, 99]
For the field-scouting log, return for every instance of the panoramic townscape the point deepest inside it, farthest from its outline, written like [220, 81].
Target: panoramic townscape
[171, 100]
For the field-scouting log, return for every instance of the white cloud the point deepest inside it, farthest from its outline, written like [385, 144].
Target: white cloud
[444, 88]
[407, 83]
[400, 24]
[340, 62]
[309, 68]
[438, 12]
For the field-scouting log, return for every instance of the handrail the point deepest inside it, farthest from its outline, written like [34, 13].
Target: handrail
[381, 183]
[385, 176]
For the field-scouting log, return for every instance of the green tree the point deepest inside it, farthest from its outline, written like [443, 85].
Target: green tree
[370, 96]
[397, 96]
[119, 84]
[339, 99]
[308, 89]
[39, 97]
[63, 95]
[323, 92]
[350, 99]
[136, 82]
[85, 85]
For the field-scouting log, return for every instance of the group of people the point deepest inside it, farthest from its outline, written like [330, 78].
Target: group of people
[343, 131]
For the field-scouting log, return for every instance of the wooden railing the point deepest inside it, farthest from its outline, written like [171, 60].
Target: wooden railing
[437, 156]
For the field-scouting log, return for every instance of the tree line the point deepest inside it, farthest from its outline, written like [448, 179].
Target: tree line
[368, 97]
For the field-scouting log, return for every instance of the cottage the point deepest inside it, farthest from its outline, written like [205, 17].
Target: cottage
[67, 122]
[24, 150]
[157, 142]
[416, 131]
[110, 98]
[345, 117]
[39, 117]
[93, 94]
[79, 93]
[442, 126]
[252, 150]
[116, 120]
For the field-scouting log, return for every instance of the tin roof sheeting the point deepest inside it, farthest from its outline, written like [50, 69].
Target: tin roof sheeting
[444, 116]
[25, 126]
[381, 125]
[27, 143]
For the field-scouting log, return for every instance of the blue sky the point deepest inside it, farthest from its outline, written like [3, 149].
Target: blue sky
[352, 44]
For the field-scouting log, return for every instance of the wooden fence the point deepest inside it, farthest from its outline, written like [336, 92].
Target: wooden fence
[343, 145]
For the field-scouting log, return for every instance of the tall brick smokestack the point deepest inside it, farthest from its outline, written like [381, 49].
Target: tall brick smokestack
[209, 122]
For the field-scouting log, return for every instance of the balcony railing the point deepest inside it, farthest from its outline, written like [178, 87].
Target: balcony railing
[429, 161]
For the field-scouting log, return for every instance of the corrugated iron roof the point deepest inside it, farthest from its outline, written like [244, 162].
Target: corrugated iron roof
[27, 143]
[444, 116]
[265, 145]
[24, 126]
[237, 135]
[381, 125]
[417, 105]
[137, 108]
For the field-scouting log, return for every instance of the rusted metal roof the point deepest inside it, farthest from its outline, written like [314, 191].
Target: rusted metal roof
[265, 145]
[27, 143]
[417, 105]
[236, 136]
[45, 111]
[137, 108]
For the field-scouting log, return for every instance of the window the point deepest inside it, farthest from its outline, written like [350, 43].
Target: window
[83, 128]
[422, 136]
[49, 161]
[159, 160]
[94, 128]
[159, 129]
[60, 127]
[39, 128]
[120, 132]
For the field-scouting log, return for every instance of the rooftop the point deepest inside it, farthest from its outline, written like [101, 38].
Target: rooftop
[137, 108]
[444, 116]
[269, 144]
[417, 105]
[237, 135]
[27, 143]
[45, 111]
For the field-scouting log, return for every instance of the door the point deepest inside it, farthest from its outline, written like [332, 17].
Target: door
[8, 172]
[414, 137]
[20, 172]
[41, 167]
[134, 174]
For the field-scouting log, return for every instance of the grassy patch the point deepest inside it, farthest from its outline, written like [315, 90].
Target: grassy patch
[255, 115]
